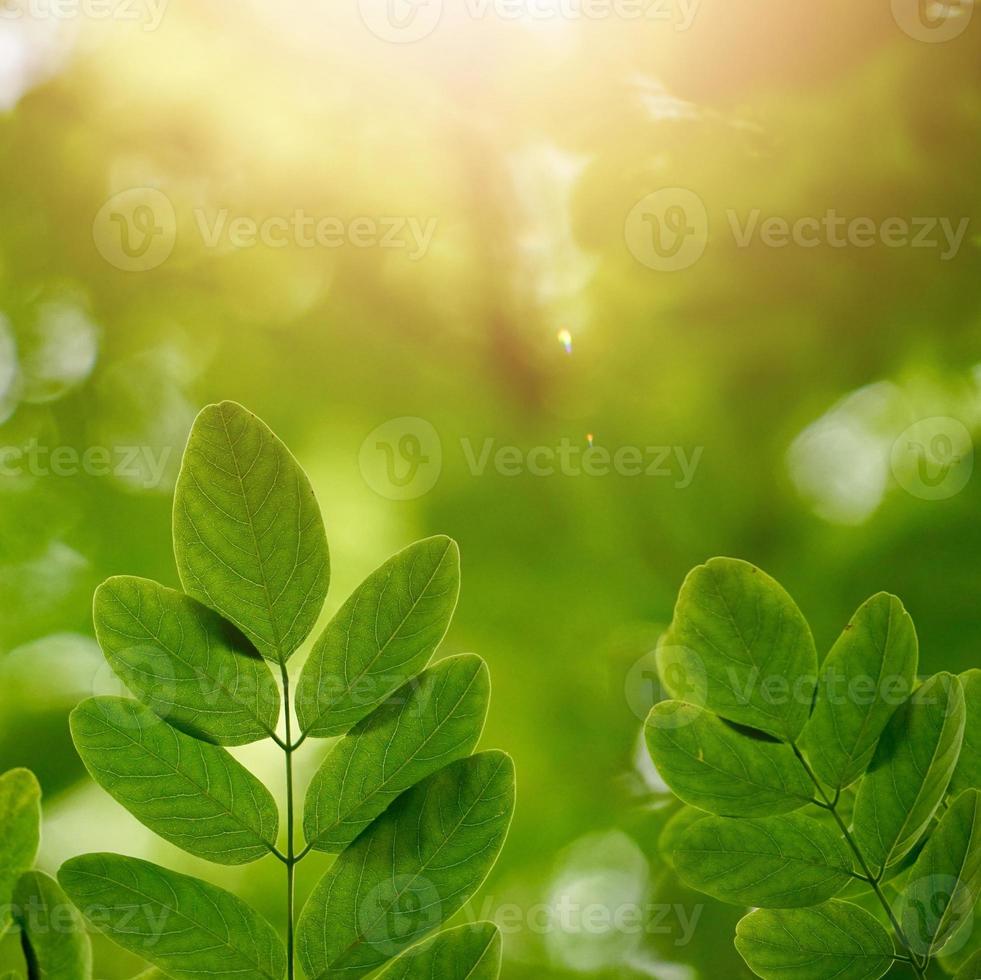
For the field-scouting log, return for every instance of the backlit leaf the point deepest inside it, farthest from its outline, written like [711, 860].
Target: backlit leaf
[967, 775]
[384, 634]
[191, 793]
[780, 862]
[189, 929]
[470, 952]
[712, 766]
[836, 939]
[20, 833]
[410, 870]
[944, 884]
[867, 675]
[248, 536]
[910, 771]
[740, 638]
[435, 718]
[53, 933]
[184, 661]
[674, 830]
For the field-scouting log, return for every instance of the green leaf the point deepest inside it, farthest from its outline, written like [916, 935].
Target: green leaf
[384, 634]
[191, 793]
[470, 952]
[971, 970]
[674, 830]
[780, 862]
[410, 871]
[52, 930]
[945, 882]
[836, 939]
[429, 722]
[20, 833]
[193, 668]
[910, 771]
[248, 536]
[189, 929]
[867, 675]
[712, 766]
[967, 775]
[741, 641]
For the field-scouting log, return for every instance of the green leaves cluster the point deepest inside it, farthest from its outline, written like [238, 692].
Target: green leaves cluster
[840, 802]
[415, 819]
[53, 939]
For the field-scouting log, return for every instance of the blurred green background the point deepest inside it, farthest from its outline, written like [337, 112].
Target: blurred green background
[525, 136]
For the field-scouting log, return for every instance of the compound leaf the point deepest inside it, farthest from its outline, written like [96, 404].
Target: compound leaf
[434, 719]
[248, 535]
[945, 881]
[740, 639]
[712, 766]
[967, 775]
[193, 668]
[20, 833]
[52, 931]
[191, 793]
[412, 869]
[866, 676]
[470, 952]
[188, 928]
[910, 771]
[779, 862]
[836, 939]
[384, 634]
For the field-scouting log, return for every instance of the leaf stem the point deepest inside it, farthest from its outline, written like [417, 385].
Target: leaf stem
[291, 859]
[832, 807]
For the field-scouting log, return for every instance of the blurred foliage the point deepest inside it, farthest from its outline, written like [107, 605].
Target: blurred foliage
[529, 143]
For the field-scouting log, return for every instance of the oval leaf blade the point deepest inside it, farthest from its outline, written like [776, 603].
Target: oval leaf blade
[867, 675]
[836, 939]
[945, 881]
[55, 934]
[742, 638]
[714, 767]
[433, 720]
[181, 659]
[20, 833]
[384, 634]
[470, 952]
[910, 771]
[412, 869]
[189, 929]
[675, 829]
[191, 793]
[967, 775]
[780, 862]
[248, 536]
